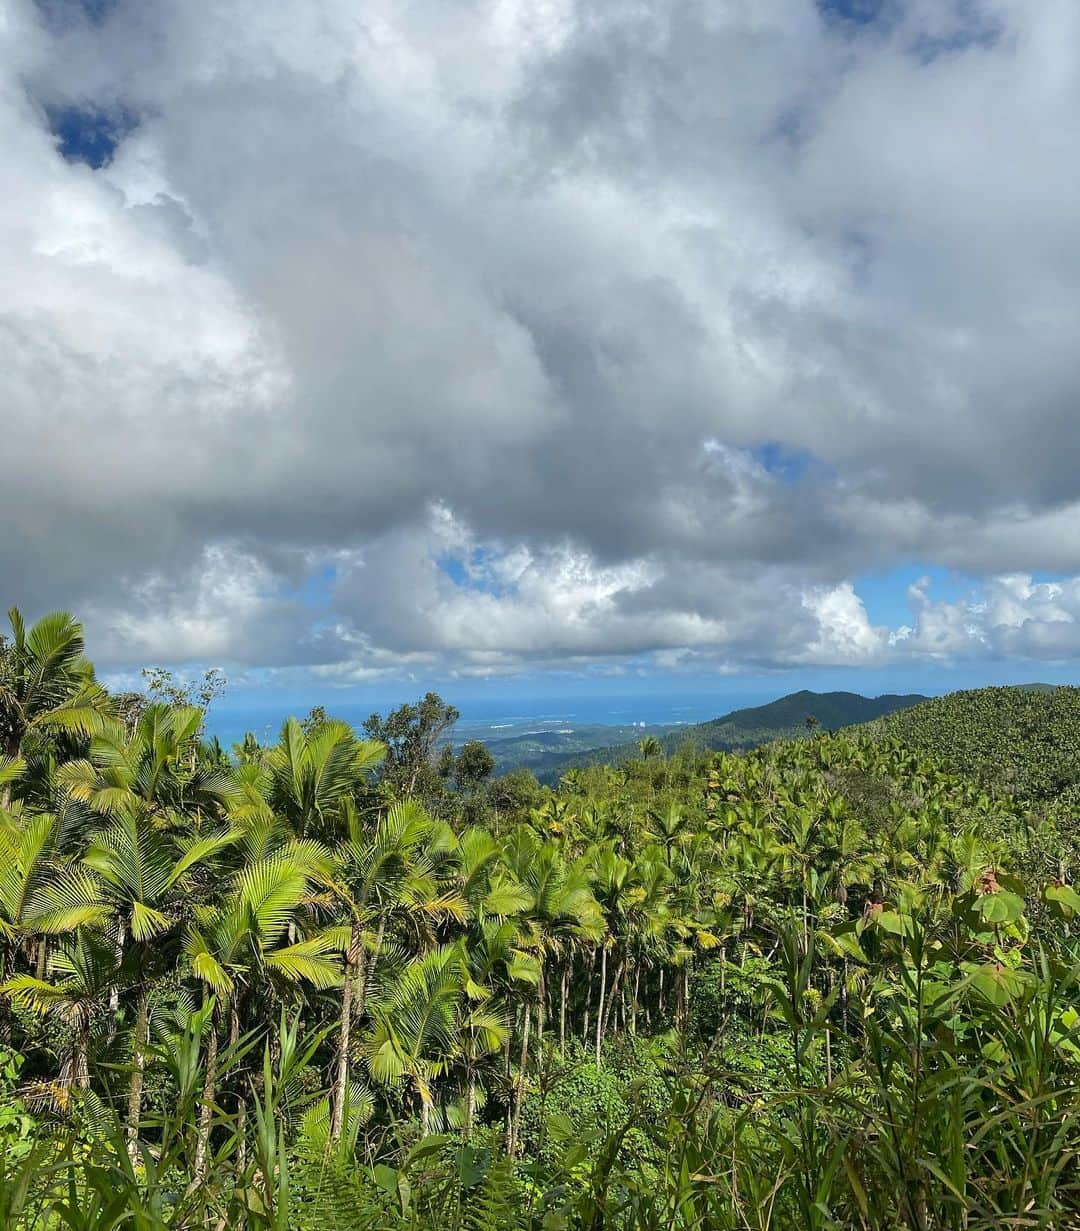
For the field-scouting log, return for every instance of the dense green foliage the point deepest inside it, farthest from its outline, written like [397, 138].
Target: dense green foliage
[1021, 741]
[342, 982]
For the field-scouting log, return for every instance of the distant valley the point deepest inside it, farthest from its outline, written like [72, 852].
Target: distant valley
[550, 753]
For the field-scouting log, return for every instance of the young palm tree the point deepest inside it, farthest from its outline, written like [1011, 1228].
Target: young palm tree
[152, 772]
[417, 1033]
[559, 910]
[371, 871]
[47, 687]
[311, 775]
[144, 876]
[245, 944]
[41, 893]
[84, 971]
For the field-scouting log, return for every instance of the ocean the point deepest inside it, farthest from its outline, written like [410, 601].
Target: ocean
[492, 718]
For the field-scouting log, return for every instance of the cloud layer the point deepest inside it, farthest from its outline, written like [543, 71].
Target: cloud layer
[505, 333]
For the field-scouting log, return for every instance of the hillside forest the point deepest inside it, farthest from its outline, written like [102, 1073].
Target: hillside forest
[358, 980]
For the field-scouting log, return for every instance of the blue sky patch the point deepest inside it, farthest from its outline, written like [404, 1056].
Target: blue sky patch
[89, 134]
[473, 572]
[884, 594]
[782, 461]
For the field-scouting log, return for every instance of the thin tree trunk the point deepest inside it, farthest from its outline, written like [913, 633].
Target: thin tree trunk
[844, 998]
[138, 1069]
[634, 1000]
[470, 1099]
[114, 990]
[206, 1109]
[42, 957]
[80, 1067]
[588, 996]
[341, 1078]
[241, 1097]
[5, 1002]
[600, 1004]
[610, 1012]
[542, 990]
[563, 990]
[519, 1091]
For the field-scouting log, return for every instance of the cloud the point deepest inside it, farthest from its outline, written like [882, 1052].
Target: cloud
[505, 334]
[1012, 616]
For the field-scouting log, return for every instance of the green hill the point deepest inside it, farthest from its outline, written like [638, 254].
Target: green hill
[785, 718]
[1024, 740]
[788, 716]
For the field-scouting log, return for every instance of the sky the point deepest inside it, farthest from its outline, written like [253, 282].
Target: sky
[545, 346]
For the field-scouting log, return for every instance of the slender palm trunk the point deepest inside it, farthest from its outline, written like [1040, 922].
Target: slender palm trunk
[206, 1109]
[684, 994]
[634, 1000]
[610, 1012]
[138, 1068]
[341, 1079]
[844, 998]
[563, 991]
[519, 1090]
[542, 990]
[114, 990]
[5, 1003]
[80, 1064]
[588, 996]
[241, 1097]
[600, 1003]
[12, 748]
[470, 1099]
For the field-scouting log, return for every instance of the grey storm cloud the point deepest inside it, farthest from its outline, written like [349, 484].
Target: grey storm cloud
[547, 332]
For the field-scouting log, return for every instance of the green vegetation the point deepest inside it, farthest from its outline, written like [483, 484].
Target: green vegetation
[1024, 741]
[346, 982]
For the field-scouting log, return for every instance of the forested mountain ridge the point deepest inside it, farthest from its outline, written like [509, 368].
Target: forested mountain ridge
[828, 984]
[789, 717]
[1020, 740]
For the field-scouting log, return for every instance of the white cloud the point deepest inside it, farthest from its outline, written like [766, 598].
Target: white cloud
[1011, 616]
[683, 315]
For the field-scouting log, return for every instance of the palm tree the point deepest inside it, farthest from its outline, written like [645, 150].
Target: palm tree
[369, 877]
[40, 894]
[47, 687]
[246, 942]
[499, 970]
[152, 771]
[311, 775]
[417, 1032]
[144, 878]
[84, 971]
[559, 909]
